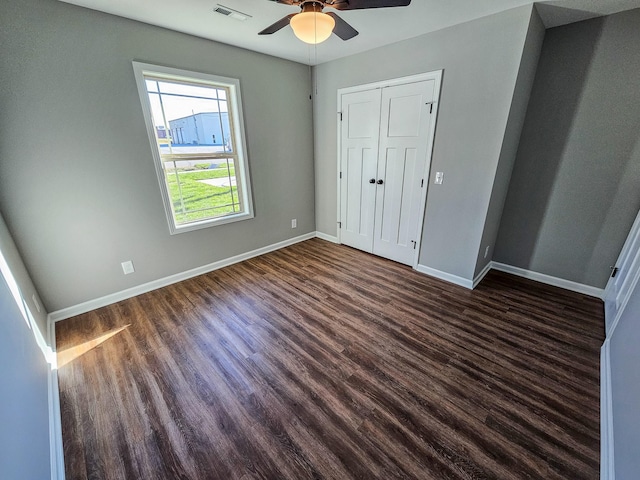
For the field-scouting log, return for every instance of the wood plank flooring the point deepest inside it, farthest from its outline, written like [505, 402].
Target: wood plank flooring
[322, 362]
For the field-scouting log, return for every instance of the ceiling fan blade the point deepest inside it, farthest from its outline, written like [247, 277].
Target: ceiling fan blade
[283, 22]
[360, 4]
[287, 2]
[342, 28]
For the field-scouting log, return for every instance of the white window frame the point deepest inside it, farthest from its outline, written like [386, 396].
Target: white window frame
[234, 101]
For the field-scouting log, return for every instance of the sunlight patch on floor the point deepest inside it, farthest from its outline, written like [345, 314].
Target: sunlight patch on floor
[70, 354]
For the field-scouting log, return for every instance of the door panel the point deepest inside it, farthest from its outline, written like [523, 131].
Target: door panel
[403, 143]
[395, 229]
[404, 116]
[360, 166]
[361, 120]
[359, 156]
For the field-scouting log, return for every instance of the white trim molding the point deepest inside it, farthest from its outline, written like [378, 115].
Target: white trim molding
[447, 277]
[171, 279]
[328, 238]
[55, 420]
[607, 465]
[623, 304]
[481, 275]
[520, 272]
[549, 280]
[620, 287]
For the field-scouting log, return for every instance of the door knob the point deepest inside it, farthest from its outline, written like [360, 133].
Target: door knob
[373, 180]
[380, 182]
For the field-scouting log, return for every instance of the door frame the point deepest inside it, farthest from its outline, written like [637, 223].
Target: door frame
[436, 76]
[630, 258]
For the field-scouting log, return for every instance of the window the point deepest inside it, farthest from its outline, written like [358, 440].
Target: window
[195, 126]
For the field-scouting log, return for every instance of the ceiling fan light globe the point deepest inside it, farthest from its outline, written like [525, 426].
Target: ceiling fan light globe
[312, 27]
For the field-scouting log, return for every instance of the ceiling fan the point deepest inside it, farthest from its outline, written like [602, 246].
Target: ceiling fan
[312, 25]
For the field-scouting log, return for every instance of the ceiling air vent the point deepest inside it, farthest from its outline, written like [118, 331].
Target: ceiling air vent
[231, 13]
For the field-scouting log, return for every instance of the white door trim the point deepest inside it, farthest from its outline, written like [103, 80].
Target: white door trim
[628, 258]
[607, 453]
[436, 76]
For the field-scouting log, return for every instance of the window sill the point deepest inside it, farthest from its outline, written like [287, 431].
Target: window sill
[189, 227]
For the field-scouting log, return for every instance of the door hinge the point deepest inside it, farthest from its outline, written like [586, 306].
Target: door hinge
[340, 175]
[614, 271]
[430, 106]
[422, 183]
[339, 224]
[340, 113]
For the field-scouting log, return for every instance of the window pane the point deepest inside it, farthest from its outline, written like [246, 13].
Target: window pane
[200, 124]
[225, 128]
[188, 90]
[152, 85]
[202, 189]
[156, 109]
[162, 136]
[180, 107]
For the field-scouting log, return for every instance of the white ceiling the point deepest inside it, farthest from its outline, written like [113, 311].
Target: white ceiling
[377, 27]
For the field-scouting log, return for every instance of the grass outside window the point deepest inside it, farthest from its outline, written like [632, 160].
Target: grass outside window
[193, 198]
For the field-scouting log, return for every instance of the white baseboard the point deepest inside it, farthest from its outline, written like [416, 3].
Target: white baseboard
[521, 272]
[171, 279]
[481, 275]
[55, 422]
[163, 282]
[328, 238]
[463, 282]
[607, 466]
[549, 280]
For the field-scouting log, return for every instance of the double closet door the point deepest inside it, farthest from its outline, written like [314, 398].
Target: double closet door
[385, 138]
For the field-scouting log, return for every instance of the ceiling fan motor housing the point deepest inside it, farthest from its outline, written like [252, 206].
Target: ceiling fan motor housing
[312, 6]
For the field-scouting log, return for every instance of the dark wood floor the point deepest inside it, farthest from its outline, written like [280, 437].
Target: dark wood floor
[319, 361]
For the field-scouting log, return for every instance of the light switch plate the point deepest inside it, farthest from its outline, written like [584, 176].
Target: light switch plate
[439, 178]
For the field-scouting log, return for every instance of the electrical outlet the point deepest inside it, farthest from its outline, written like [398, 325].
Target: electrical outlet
[486, 251]
[294, 223]
[439, 178]
[127, 267]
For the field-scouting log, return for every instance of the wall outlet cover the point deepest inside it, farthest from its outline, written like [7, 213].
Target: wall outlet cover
[127, 267]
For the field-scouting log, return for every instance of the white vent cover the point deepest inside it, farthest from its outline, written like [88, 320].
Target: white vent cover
[231, 13]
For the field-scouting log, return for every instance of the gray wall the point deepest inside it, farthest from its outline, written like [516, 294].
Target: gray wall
[517, 114]
[481, 60]
[575, 188]
[625, 385]
[78, 187]
[24, 413]
[23, 279]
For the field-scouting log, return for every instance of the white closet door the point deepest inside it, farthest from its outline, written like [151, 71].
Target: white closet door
[404, 134]
[360, 129]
